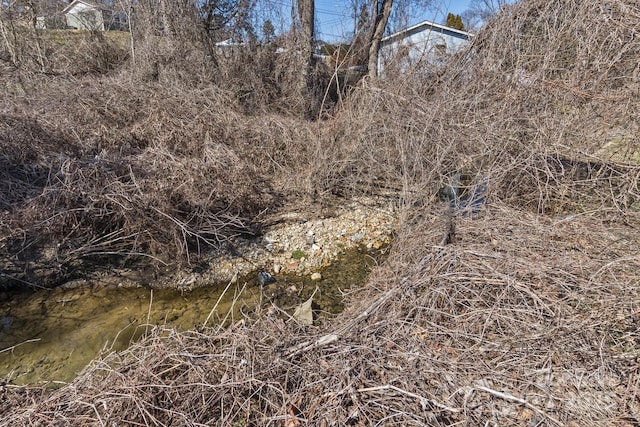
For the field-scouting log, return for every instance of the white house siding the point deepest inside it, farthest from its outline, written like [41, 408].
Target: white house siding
[84, 16]
[427, 44]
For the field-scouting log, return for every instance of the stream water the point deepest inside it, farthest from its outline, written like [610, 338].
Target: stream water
[49, 336]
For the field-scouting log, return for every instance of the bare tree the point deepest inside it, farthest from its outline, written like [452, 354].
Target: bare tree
[227, 18]
[481, 11]
[306, 12]
[382, 11]
[305, 33]
[361, 33]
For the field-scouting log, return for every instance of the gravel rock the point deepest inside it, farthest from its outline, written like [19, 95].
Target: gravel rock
[362, 221]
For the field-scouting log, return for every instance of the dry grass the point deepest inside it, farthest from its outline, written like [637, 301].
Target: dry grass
[529, 316]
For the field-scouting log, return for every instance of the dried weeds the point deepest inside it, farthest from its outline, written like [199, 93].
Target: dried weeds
[526, 314]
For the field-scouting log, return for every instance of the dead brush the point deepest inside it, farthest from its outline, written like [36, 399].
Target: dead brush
[471, 333]
[191, 188]
[158, 173]
[528, 316]
[536, 107]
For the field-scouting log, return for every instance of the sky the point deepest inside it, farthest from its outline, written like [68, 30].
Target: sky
[335, 17]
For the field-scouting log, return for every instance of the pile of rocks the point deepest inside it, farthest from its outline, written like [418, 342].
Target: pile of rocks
[299, 245]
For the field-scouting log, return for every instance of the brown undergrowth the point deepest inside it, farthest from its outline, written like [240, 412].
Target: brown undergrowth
[500, 327]
[524, 312]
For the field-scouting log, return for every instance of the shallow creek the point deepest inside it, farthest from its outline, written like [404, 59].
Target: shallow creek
[48, 336]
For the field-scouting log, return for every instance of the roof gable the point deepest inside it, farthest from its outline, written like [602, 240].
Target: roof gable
[82, 5]
[427, 26]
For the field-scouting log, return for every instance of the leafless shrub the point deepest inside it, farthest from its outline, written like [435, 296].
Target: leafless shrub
[536, 105]
[116, 167]
[27, 48]
[525, 314]
[160, 163]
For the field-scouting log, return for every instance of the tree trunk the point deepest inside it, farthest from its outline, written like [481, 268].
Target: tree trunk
[383, 11]
[305, 40]
[306, 15]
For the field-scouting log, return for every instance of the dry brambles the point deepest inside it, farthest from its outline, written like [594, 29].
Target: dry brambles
[527, 314]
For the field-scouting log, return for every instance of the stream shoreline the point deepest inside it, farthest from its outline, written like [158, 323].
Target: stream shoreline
[300, 241]
[53, 333]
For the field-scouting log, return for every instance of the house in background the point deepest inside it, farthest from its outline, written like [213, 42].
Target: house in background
[85, 15]
[427, 44]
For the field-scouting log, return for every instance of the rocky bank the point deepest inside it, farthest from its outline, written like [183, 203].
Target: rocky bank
[298, 242]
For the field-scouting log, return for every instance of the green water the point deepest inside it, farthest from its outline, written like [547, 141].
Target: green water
[49, 336]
